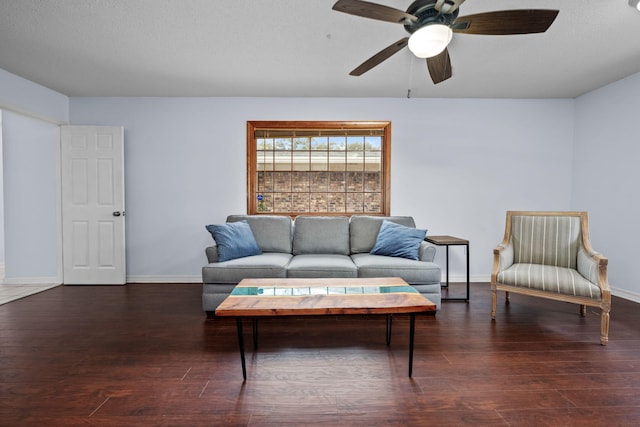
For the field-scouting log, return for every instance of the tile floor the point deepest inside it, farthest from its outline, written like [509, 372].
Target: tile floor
[10, 293]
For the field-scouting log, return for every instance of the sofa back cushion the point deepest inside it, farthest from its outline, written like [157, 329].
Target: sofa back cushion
[547, 240]
[321, 235]
[273, 233]
[364, 230]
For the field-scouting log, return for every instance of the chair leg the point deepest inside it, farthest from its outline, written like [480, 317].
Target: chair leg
[583, 310]
[494, 303]
[604, 327]
[506, 297]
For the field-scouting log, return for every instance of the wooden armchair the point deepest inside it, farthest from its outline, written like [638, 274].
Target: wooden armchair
[548, 255]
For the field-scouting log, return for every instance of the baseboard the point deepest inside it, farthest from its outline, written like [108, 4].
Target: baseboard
[623, 293]
[164, 279]
[462, 278]
[54, 281]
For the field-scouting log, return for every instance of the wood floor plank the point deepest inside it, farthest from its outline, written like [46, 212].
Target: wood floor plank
[146, 355]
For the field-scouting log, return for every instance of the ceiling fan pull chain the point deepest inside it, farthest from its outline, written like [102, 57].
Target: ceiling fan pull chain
[410, 77]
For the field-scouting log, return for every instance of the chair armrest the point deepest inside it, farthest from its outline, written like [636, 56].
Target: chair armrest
[502, 259]
[593, 267]
[212, 253]
[427, 252]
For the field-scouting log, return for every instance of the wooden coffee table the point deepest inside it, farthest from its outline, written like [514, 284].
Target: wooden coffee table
[254, 298]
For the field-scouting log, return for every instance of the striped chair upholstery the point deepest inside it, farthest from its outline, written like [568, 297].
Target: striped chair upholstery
[548, 254]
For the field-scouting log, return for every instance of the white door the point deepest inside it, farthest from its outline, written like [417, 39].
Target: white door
[93, 227]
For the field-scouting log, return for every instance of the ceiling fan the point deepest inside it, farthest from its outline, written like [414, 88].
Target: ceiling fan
[432, 23]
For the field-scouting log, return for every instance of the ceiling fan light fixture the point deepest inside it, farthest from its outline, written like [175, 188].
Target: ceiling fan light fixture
[635, 3]
[430, 40]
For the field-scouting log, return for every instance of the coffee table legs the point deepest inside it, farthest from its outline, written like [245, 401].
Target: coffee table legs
[254, 326]
[412, 329]
[241, 343]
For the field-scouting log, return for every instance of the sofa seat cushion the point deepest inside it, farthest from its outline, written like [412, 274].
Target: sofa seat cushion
[549, 278]
[413, 272]
[267, 265]
[321, 265]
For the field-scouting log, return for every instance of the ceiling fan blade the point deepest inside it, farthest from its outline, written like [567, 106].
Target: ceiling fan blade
[448, 6]
[505, 22]
[379, 57]
[439, 67]
[374, 11]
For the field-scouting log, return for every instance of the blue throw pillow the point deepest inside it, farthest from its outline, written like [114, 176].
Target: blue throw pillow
[234, 240]
[398, 241]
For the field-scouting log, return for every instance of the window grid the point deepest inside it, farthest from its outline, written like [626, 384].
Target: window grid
[321, 168]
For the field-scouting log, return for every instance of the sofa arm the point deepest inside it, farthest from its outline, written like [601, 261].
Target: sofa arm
[427, 252]
[212, 254]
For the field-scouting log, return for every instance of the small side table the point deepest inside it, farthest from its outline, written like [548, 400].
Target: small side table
[451, 241]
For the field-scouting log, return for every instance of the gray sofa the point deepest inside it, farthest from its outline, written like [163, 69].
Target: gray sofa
[317, 247]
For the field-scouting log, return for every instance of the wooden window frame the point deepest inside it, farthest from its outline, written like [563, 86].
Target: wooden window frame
[252, 173]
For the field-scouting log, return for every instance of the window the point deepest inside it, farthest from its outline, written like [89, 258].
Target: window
[318, 168]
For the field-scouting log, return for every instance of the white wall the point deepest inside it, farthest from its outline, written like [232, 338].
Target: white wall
[606, 176]
[30, 199]
[31, 114]
[457, 166]
[31, 99]
[1, 206]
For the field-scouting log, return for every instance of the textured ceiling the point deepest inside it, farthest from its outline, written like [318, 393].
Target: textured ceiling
[302, 48]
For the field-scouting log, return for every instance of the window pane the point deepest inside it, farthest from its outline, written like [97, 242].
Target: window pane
[319, 202]
[264, 160]
[337, 202]
[355, 143]
[300, 202]
[372, 202]
[282, 160]
[282, 143]
[282, 202]
[319, 160]
[300, 182]
[301, 161]
[301, 143]
[265, 181]
[282, 181]
[337, 181]
[373, 143]
[319, 181]
[355, 160]
[354, 182]
[373, 161]
[337, 161]
[319, 143]
[372, 182]
[355, 202]
[337, 143]
[266, 204]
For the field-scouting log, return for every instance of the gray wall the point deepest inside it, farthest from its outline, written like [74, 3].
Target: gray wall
[30, 117]
[30, 199]
[606, 176]
[457, 165]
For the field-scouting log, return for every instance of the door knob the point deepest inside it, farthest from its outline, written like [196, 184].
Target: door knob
[116, 213]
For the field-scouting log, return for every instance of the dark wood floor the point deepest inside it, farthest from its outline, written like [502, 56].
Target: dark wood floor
[144, 354]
